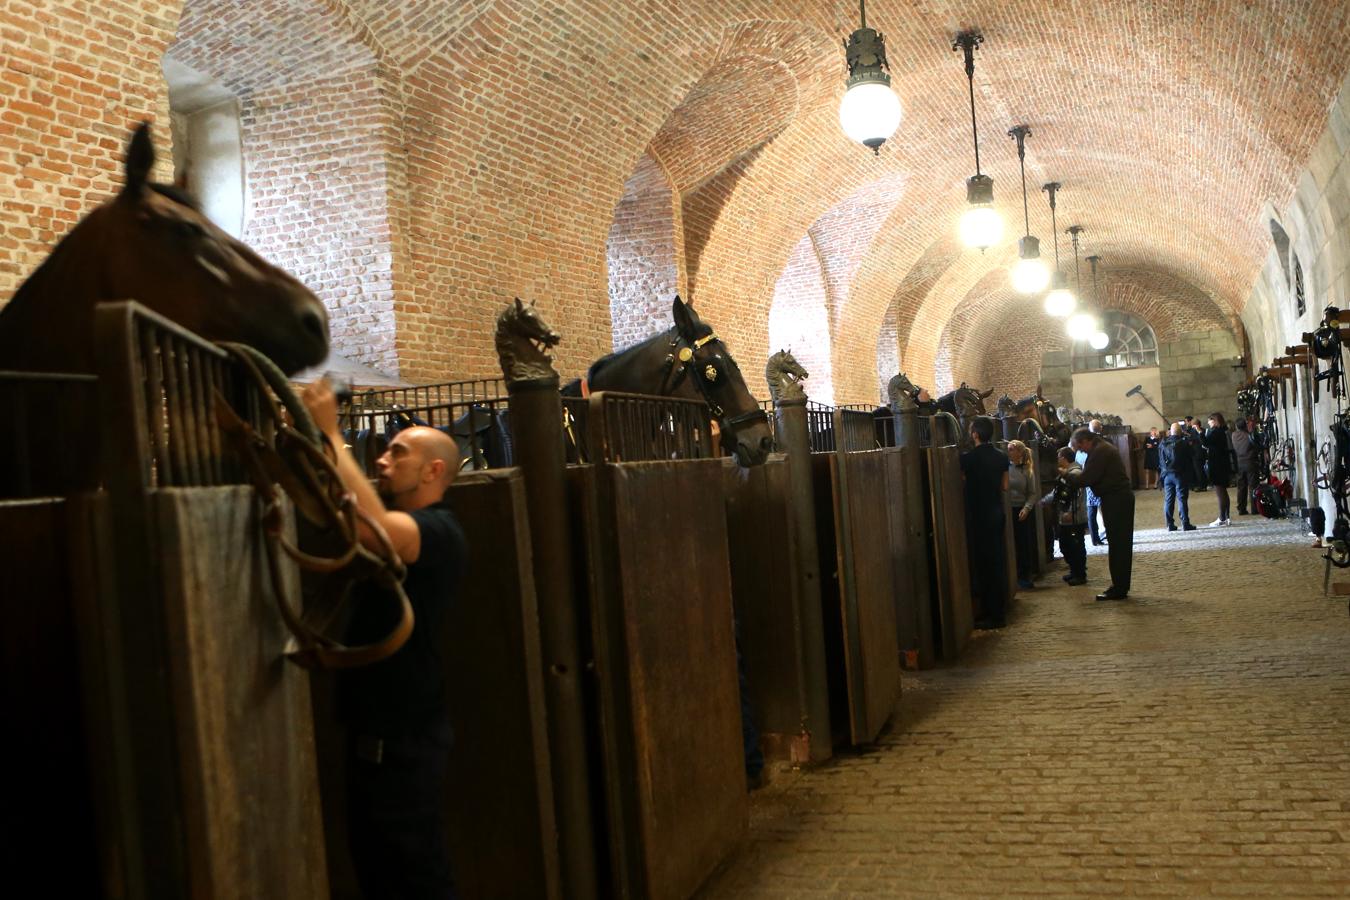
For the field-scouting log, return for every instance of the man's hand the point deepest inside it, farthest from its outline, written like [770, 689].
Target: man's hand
[322, 404]
[1022, 515]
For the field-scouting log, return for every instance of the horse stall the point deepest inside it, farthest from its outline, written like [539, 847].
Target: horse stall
[180, 744]
[949, 563]
[659, 595]
[858, 583]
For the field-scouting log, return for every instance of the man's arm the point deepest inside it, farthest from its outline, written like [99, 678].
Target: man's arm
[403, 532]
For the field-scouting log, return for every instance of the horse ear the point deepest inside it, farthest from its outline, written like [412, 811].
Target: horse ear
[520, 307]
[685, 319]
[986, 393]
[140, 159]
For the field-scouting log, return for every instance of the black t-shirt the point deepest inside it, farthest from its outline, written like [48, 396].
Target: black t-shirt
[984, 468]
[405, 693]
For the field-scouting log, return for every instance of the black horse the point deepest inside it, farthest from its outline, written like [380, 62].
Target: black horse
[965, 402]
[688, 361]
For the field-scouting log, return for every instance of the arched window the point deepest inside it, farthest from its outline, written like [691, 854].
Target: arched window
[1130, 344]
[1300, 301]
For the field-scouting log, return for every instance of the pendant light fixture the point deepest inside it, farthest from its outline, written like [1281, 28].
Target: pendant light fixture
[1030, 275]
[1099, 340]
[1060, 302]
[981, 226]
[1082, 324]
[870, 111]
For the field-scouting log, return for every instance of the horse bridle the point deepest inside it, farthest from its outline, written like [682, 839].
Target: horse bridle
[683, 351]
[290, 453]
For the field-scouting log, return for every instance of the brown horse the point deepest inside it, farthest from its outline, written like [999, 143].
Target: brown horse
[152, 244]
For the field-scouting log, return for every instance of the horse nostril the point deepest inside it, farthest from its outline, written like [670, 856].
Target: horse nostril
[313, 324]
[766, 444]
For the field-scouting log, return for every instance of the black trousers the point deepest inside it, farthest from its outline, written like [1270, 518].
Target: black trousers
[1072, 549]
[1024, 543]
[1246, 483]
[989, 570]
[396, 816]
[1118, 514]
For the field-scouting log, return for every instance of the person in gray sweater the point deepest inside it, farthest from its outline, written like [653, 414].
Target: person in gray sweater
[1244, 453]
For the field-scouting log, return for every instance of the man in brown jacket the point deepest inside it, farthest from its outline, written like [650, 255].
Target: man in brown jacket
[1104, 473]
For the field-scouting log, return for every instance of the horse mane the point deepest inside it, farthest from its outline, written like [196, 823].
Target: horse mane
[703, 330]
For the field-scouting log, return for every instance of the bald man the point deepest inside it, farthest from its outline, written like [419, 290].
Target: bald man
[395, 710]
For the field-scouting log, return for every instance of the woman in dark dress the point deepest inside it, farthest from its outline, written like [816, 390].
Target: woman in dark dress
[1217, 466]
[1151, 458]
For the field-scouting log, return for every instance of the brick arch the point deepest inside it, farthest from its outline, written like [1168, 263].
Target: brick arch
[641, 256]
[996, 336]
[799, 319]
[321, 130]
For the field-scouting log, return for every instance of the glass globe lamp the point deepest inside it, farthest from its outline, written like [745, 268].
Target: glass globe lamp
[1060, 302]
[981, 226]
[1030, 275]
[1081, 326]
[1099, 340]
[870, 113]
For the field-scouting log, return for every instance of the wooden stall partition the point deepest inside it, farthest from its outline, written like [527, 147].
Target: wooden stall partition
[670, 720]
[242, 713]
[501, 797]
[766, 587]
[212, 736]
[951, 568]
[62, 800]
[866, 568]
[909, 554]
[857, 591]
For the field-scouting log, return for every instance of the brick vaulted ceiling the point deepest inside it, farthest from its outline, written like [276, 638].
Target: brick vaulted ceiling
[512, 126]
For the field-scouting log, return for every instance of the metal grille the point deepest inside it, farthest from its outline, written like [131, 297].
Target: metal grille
[429, 395]
[479, 426]
[856, 429]
[633, 428]
[820, 426]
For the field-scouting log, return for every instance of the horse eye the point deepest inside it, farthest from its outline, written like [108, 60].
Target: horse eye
[188, 229]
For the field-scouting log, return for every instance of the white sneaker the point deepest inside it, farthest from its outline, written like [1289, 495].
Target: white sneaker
[1216, 523]
[1226, 523]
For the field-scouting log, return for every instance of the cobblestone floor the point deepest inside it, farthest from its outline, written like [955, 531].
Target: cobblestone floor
[1191, 741]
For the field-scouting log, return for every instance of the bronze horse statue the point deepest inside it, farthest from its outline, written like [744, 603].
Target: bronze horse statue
[689, 361]
[151, 243]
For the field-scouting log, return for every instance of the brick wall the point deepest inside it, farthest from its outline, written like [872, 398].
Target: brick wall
[641, 256]
[432, 164]
[74, 79]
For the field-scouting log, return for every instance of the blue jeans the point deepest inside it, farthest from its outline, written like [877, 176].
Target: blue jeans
[1175, 489]
[1093, 507]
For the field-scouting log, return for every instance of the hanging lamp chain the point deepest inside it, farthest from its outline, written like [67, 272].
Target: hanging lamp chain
[968, 41]
[1051, 189]
[1076, 230]
[1020, 133]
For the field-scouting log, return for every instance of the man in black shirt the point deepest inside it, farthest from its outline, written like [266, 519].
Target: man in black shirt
[1105, 474]
[395, 710]
[985, 470]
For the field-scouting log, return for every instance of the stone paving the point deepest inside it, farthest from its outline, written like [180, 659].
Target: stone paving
[1191, 741]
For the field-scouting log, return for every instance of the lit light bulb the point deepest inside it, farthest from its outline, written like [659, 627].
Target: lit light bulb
[869, 113]
[1030, 276]
[1099, 340]
[1081, 326]
[1060, 301]
[981, 227]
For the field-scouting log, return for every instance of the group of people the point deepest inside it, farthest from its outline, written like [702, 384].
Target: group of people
[1188, 459]
[1092, 477]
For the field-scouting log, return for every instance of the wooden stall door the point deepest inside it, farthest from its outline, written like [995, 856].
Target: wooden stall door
[866, 590]
[764, 580]
[909, 554]
[250, 791]
[666, 660]
[952, 567]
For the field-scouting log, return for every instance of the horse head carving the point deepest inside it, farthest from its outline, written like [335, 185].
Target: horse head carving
[902, 393]
[151, 243]
[523, 339]
[785, 375]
